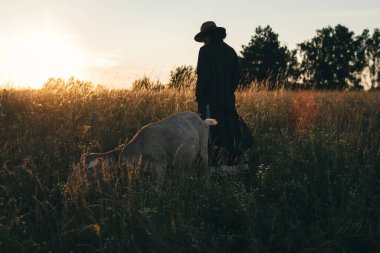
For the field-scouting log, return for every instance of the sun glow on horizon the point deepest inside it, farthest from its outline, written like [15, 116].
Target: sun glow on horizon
[30, 58]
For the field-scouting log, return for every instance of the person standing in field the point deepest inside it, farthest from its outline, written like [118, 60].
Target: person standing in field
[218, 77]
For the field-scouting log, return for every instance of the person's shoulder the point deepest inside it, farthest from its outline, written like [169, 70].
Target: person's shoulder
[205, 47]
[229, 48]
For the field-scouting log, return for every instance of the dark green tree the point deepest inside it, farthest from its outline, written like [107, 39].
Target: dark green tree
[293, 71]
[182, 78]
[264, 60]
[333, 59]
[372, 56]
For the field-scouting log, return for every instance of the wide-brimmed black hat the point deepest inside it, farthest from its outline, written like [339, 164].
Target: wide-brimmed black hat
[206, 28]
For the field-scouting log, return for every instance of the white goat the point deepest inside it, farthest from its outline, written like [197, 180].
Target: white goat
[179, 141]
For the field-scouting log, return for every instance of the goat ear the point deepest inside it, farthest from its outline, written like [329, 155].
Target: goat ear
[211, 122]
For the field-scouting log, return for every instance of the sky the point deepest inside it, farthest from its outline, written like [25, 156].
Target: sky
[114, 42]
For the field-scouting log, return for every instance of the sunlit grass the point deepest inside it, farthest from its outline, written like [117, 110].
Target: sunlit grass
[314, 184]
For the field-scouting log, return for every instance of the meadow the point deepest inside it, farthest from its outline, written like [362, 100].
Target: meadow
[314, 184]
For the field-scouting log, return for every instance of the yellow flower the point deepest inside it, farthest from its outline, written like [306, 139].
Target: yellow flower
[96, 228]
[85, 130]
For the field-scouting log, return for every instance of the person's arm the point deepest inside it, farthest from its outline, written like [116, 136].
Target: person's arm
[203, 81]
[236, 74]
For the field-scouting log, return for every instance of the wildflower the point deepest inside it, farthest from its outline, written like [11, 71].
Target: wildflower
[86, 128]
[96, 228]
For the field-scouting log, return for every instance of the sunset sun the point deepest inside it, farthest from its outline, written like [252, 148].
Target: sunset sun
[35, 56]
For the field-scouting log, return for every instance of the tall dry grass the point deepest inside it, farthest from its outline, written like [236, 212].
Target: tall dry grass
[314, 184]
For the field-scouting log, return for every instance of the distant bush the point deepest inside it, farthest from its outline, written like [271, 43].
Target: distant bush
[145, 83]
[183, 78]
[73, 84]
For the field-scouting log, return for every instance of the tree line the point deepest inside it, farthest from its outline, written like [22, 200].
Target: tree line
[334, 59]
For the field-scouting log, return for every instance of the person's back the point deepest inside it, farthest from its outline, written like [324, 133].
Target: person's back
[218, 77]
[218, 74]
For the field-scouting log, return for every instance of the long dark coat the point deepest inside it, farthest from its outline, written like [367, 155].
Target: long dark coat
[218, 76]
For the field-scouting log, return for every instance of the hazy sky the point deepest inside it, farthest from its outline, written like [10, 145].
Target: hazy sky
[114, 42]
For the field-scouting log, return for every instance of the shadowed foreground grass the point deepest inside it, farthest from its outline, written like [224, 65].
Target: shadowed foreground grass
[315, 183]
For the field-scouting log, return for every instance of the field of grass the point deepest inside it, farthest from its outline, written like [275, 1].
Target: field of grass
[314, 186]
